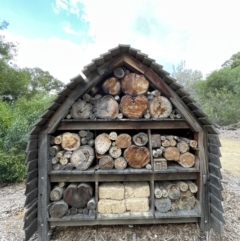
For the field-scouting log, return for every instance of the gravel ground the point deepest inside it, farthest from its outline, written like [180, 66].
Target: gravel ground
[12, 212]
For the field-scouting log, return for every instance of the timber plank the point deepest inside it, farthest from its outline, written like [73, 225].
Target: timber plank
[181, 92]
[178, 214]
[133, 51]
[147, 61]
[47, 114]
[175, 86]
[215, 180]
[162, 73]
[99, 61]
[60, 99]
[32, 145]
[187, 100]
[31, 165]
[155, 67]
[53, 106]
[31, 155]
[30, 218]
[216, 202]
[140, 56]
[199, 113]
[40, 122]
[217, 213]
[214, 139]
[115, 51]
[30, 230]
[169, 80]
[32, 175]
[31, 186]
[72, 85]
[64, 92]
[214, 150]
[35, 130]
[31, 196]
[215, 170]
[124, 48]
[30, 208]
[216, 224]
[205, 121]
[193, 106]
[211, 129]
[216, 191]
[32, 137]
[107, 56]
[215, 160]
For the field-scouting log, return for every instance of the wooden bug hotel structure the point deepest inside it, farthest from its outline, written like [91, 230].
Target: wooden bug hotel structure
[124, 145]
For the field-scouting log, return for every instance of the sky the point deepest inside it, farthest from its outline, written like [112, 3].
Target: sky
[62, 36]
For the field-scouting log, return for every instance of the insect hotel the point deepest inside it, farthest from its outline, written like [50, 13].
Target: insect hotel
[124, 145]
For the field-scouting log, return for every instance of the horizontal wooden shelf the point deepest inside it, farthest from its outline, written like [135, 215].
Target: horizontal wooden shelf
[126, 215]
[116, 124]
[178, 214]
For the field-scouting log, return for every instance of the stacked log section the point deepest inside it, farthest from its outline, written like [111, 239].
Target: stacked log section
[124, 141]
[160, 107]
[112, 86]
[133, 107]
[134, 84]
[102, 143]
[118, 198]
[187, 159]
[70, 141]
[137, 157]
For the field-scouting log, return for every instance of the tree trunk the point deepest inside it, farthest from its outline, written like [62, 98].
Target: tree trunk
[58, 209]
[134, 84]
[115, 152]
[81, 110]
[119, 73]
[124, 141]
[133, 107]
[156, 140]
[162, 205]
[187, 159]
[58, 140]
[53, 150]
[192, 186]
[172, 189]
[102, 143]
[137, 157]
[120, 163]
[83, 157]
[160, 107]
[171, 154]
[106, 162]
[106, 107]
[140, 139]
[112, 86]
[56, 193]
[77, 196]
[157, 191]
[183, 146]
[70, 141]
[91, 205]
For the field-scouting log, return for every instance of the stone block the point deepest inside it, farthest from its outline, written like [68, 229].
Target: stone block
[111, 190]
[136, 189]
[108, 206]
[137, 204]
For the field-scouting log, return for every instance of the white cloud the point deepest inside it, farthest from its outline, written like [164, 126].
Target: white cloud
[68, 29]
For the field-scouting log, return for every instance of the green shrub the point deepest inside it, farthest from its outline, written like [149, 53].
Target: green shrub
[12, 166]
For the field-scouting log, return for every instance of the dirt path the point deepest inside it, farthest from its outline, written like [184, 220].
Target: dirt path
[12, 200]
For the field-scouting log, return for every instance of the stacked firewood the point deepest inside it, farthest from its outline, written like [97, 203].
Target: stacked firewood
[174, 196]
[72, 199]
[118, 198]
[127, 95]
[172, 148]
[72, 151]
[113, 150]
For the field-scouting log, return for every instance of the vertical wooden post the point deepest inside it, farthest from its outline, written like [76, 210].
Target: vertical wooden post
[43, 187]
[150, 147]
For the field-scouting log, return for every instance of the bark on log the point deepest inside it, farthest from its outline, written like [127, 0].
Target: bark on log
[63, 161]
[172, 189]
[185, 202]
[171, 154]
[187, 159]
[157, 191]
[140, 139]
[113, 136]
[106, 162]
[133, 107]
[124, 141]
[160, 107]
[120, 163]
[156, 140]
[58, 209]
[183, 146]
[81, 110]
[78, 195]
[112, 86]
[106, 107]
[102, 143]
[134, 84]
[183, 186]
[137, 157]
[53, 150]
[91, 205]
[162, 205]
[70, 141]
[57, 193]
[192, 186]
[83, 157]
[119, 73]
[58, 139]
[115, 152]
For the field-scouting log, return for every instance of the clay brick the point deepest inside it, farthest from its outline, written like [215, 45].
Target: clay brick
[111, 206]
[111, 190]
[137, 204]
[136, 189]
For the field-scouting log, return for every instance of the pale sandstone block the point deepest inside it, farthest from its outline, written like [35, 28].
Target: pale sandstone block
[136, 189]
[111, 206]
[137, 204]
[111, 190]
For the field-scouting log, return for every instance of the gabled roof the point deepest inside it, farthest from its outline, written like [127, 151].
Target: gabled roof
[94, 72]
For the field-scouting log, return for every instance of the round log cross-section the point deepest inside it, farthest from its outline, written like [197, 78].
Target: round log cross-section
[134, 84]
[81, 109]
[70, 141]
[124, 141]
[112, 86]
[102, 143]
[137, 157]
[133, 107]
[160, 107]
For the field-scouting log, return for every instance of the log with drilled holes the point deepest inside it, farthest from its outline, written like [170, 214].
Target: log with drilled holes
[133, 107]
[137, 157]
[112, 86]
[70, 141]
[78, 195]
[81, 110]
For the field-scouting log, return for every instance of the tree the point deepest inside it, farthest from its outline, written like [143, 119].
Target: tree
[233, 62]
